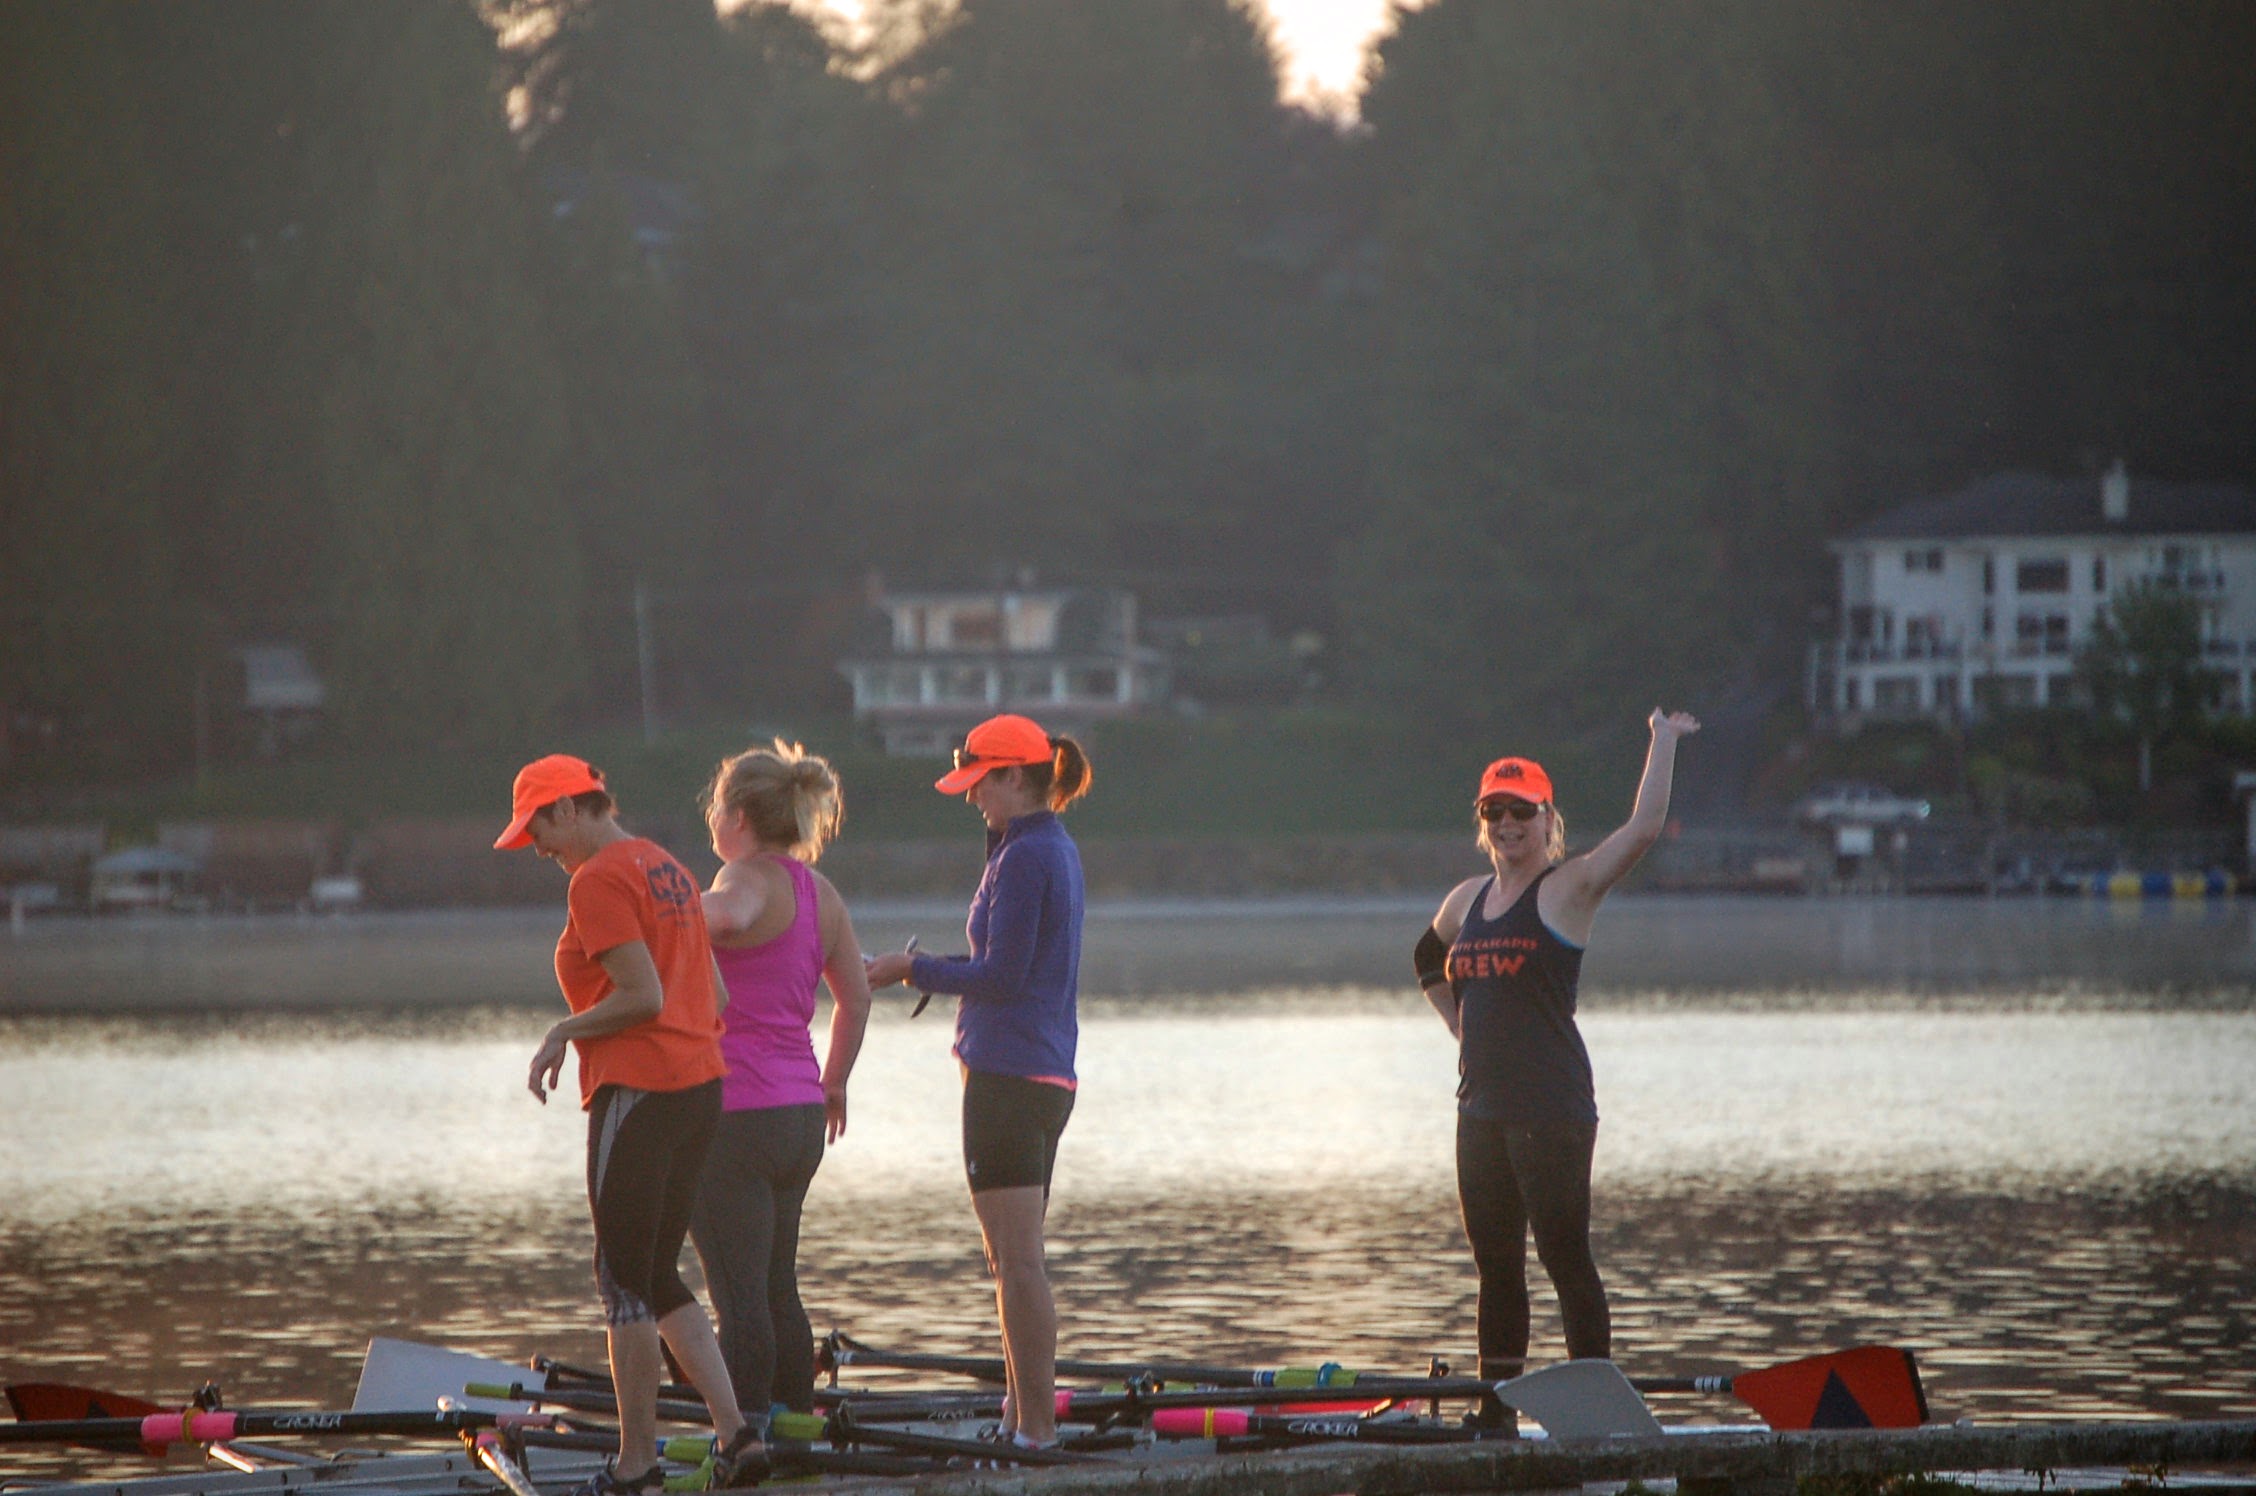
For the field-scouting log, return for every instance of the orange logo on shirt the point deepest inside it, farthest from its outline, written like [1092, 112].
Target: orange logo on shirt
[1493, 956]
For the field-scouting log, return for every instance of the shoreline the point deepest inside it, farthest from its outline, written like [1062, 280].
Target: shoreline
[1653, 947]
[442, 865]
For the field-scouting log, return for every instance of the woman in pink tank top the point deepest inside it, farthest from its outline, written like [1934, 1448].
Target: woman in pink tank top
[778, 928]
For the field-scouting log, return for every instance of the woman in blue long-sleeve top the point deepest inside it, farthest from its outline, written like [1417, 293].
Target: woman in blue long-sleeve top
[1016, 1028]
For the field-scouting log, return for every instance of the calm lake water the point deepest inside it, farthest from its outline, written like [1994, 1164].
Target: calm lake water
[2017, 1137]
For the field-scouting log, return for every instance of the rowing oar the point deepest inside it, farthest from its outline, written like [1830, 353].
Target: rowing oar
[1871, 1386]
[844, 1429]
[838, 1428]
[589, 1399]
[55, 1402]
[565, 1376]
[865, 1408]
[199, 1426]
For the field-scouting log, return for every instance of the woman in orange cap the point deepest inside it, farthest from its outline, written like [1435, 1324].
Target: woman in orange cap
[1500, 964]
[1016, 1029]
[637, 972]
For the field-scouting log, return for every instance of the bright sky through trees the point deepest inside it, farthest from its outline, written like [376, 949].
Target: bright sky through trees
[1322, 42]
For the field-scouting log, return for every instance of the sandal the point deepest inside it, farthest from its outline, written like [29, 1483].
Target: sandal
[744, 1460]
[606, 1482]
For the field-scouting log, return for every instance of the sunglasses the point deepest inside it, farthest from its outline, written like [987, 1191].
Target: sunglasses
[1493, 811]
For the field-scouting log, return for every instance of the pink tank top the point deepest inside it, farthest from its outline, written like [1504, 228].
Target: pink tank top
[771, 1059]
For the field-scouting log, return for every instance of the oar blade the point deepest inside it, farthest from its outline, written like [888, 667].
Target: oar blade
[1586, 1399]
[405, 1376]
[50, 1402]
[61, 1402]
[1870, 1386]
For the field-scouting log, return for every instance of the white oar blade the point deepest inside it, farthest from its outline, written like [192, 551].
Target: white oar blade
[1581, 1400]
[404, 1376]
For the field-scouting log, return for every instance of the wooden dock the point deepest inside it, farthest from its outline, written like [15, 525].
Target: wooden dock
[1758, 1462]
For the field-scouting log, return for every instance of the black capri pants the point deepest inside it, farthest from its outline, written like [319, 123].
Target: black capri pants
[646, 1151]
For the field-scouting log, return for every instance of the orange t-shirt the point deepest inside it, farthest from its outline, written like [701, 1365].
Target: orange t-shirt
[635, 890]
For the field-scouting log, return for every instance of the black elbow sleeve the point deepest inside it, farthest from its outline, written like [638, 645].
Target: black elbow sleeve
[1431, 958]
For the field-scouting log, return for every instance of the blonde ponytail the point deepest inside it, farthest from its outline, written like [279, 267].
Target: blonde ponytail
[789, 798]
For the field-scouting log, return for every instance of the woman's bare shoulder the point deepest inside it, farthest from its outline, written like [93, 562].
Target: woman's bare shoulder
[1450, 918]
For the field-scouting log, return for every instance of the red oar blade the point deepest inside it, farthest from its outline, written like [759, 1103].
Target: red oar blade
[60, 1402]
[1872, 1386]
[46, 1402]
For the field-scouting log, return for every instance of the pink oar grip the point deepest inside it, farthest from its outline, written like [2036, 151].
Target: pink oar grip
[194, 1428]
[1200, 1423]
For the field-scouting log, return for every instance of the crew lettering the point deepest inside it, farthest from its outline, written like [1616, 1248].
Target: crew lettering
[1495, 956]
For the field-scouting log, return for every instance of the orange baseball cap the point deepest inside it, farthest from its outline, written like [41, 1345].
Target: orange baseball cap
[994, 744]
[541, 784]
[1520, 778]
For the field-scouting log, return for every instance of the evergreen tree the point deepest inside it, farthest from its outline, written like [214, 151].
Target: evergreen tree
[452, 566]
[91, 660]
[254, 100]
[991, 413]
[1538, 496]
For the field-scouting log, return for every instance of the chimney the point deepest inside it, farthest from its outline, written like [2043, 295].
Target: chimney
[2115, 494]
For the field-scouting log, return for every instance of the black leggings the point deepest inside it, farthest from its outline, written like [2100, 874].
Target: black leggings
[645, 1152]
[747, 1230]
[1508, 1180]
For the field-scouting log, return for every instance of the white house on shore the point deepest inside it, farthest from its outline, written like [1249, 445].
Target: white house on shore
[1981, 599]
[1062, 655]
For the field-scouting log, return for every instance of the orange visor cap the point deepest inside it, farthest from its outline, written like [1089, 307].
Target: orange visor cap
[540, 784]
[1520, 778]
[996, 743]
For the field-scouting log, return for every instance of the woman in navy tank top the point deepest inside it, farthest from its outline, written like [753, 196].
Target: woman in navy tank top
[1500, 963]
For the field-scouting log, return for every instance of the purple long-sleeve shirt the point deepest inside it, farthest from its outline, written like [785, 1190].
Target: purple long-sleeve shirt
[1016, 991]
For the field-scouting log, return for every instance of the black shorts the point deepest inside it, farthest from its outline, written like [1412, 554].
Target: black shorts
[1011, 1127]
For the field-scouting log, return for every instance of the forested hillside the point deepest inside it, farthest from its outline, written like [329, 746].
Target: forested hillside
[423, 334]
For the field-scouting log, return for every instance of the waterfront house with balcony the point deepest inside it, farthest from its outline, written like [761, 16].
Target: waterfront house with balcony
[1980, 599]
[1065, 656]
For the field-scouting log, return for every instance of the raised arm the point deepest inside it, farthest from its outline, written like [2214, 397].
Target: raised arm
[849, 1002]
[1582, 882]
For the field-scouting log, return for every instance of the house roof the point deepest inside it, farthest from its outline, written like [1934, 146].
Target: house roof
[2010, 504]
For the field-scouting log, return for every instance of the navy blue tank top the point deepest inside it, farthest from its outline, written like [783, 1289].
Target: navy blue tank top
[1520, 1060]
